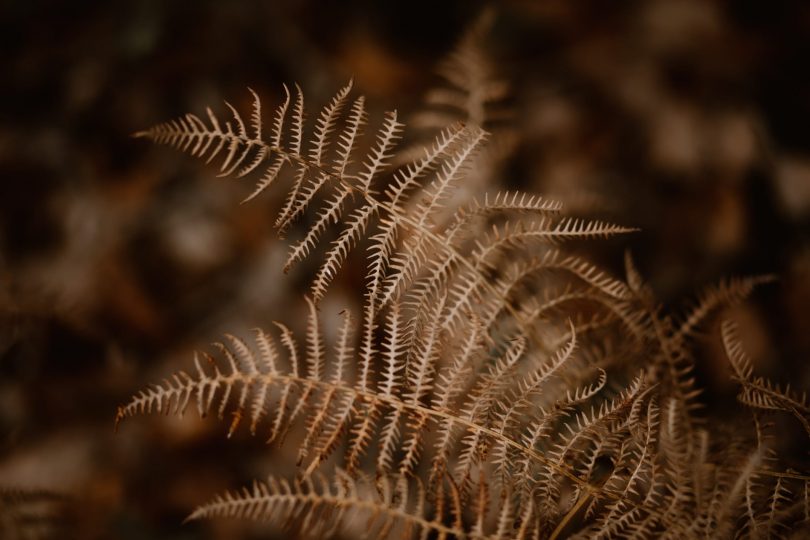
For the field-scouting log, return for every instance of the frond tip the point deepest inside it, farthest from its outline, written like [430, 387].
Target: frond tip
[727, 292]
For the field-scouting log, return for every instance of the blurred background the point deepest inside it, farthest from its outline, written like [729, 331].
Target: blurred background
[685, 118]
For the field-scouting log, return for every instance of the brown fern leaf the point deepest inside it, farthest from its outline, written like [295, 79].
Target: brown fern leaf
[461, 372]
[477, 419]
[391, 507]
[408, 210]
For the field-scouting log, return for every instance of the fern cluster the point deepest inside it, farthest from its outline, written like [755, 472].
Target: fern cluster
[482, 391]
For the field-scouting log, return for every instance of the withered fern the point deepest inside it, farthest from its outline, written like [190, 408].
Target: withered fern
[493, 385]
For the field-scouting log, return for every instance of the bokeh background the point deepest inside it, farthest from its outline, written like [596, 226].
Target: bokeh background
[685, 118]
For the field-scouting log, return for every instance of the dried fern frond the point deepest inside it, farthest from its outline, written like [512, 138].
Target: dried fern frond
[347, 186]
[759, 392]
[726, 293]
[471, 92]
[474, 94]
[422, 242]
[432, 405]
[461, 377]
[391, 507]
[409, 397]
[669, 339]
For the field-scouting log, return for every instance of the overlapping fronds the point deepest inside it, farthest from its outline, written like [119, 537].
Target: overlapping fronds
[330, 171]
[620, 468]
[475, 417]
[669, 340]
[391, 507]
[495, 386]
[759, 392]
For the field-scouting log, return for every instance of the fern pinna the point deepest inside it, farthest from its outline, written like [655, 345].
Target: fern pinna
[481, 387]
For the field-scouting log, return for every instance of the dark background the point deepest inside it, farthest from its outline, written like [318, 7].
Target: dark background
[688, 119]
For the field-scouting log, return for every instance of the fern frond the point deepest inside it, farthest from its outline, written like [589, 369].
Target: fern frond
[759, 392]
[320, 508]
[725, 293]
[406, 239]
[473, 93]
[503, 203]
[462, 370]
[404, 405]
[544, 231]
